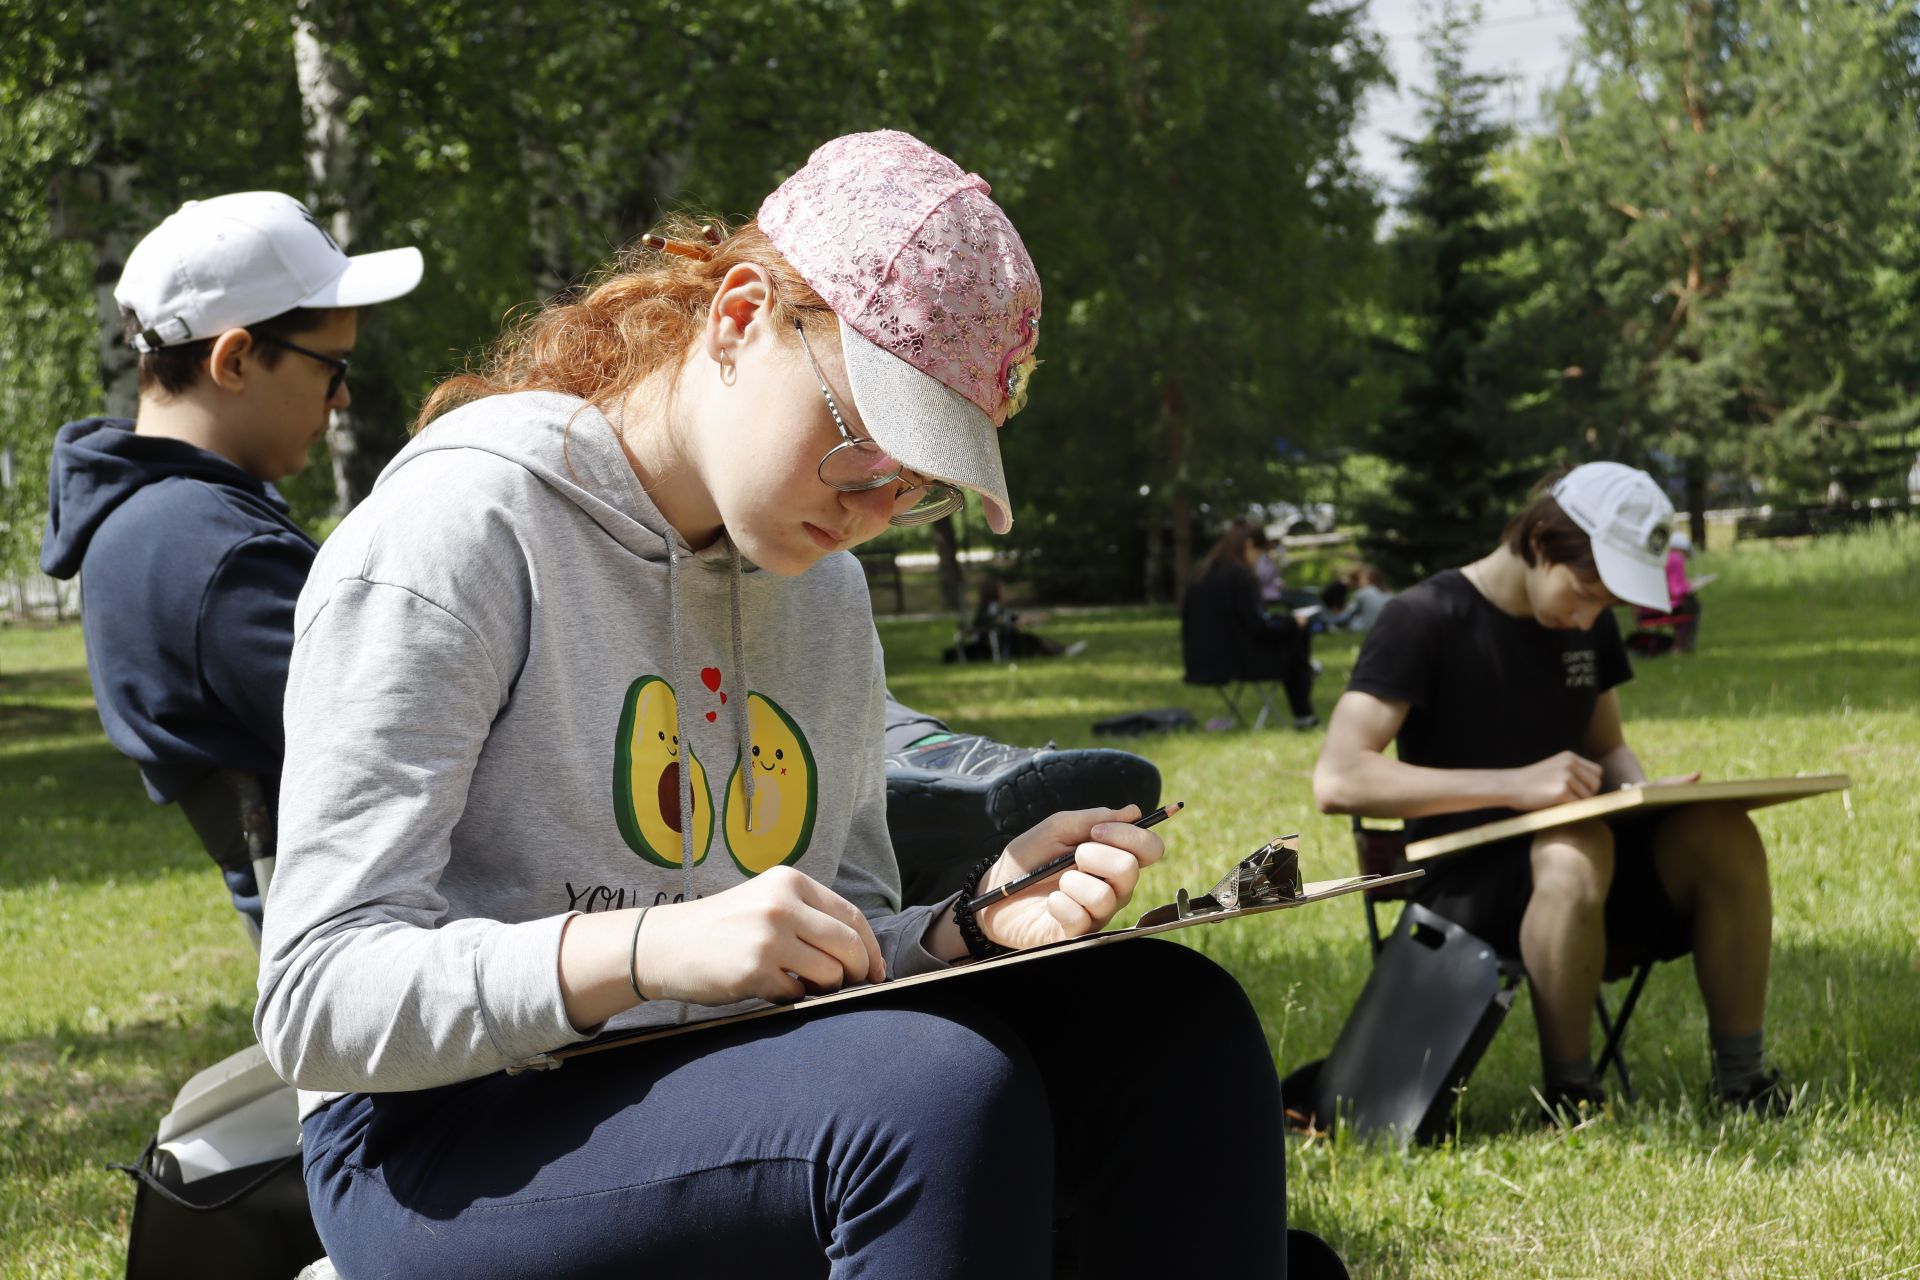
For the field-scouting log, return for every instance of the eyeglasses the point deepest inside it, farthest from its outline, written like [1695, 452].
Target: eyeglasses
[338, 365]
[858, 465]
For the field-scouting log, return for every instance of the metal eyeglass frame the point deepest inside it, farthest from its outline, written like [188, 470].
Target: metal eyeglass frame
[338, 364]
[942, 499]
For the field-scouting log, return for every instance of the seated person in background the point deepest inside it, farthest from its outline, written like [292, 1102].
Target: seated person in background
[1497, 682]
[1685, 602]
[996, 632]
[1225, 636]
[243, 311]
[1267, 569]
[1333, 608]
[1368, 598]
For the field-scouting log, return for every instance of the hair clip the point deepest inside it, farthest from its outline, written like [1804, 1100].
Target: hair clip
[681, 248]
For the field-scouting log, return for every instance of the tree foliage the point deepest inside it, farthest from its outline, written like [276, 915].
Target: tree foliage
[1467, 437]
[1729, 191]
[1716, 245]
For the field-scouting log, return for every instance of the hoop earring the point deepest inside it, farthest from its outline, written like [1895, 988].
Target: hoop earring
[728, 373]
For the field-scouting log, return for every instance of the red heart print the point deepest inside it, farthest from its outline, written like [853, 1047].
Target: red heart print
[710, 677]
[712, 716]
[723, 699]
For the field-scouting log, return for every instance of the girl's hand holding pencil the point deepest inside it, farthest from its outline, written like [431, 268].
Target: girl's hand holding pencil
[1068, 876]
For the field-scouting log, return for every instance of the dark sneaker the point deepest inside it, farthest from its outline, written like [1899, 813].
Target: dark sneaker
[952, 801]
[1303, 723]
[1569, 1103]
[1767, 1095]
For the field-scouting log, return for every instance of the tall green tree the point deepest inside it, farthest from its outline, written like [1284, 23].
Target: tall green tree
[1202, 226]
[1463, 442]
[1727, 180]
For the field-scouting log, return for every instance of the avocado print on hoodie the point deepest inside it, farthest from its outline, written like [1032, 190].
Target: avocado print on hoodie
[647, 759]
[785, 792]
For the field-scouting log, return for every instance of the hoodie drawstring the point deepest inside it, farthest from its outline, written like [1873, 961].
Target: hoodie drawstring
[679, 728]
[743, 732]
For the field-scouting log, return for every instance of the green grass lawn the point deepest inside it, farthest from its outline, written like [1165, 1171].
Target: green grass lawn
[122, 970]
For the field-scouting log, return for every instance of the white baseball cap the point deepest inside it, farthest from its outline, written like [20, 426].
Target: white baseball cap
[1630, 522]
[239, 259]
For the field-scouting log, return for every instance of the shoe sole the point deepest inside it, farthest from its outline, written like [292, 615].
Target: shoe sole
[942, 825]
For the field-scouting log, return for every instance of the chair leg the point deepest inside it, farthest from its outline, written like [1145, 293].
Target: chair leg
[1266, 706]
[1230, 694]
[1615, 1030]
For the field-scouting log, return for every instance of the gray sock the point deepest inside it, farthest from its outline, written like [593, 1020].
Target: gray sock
[1736, 1059]
[1573, 1071]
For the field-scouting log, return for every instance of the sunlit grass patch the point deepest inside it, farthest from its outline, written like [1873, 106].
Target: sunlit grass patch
[122, 969]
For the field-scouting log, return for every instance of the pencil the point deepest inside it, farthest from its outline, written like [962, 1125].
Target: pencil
[1061, 863]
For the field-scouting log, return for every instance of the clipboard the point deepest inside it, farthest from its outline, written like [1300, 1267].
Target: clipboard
[1758, 792]
[1169, 918]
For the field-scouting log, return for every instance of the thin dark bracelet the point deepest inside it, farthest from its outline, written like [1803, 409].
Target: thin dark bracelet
[979, 946]
[633, 956]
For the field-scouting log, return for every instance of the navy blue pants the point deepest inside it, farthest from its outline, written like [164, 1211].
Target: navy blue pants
[1112, 1113]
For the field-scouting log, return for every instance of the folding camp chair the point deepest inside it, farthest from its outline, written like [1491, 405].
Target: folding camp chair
[1654, 632]
[1245, 690]
[1383, 851]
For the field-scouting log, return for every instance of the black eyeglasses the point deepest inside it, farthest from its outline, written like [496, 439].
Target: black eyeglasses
[338, 365]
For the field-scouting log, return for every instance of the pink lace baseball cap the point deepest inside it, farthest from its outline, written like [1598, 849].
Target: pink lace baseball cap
[938, 302]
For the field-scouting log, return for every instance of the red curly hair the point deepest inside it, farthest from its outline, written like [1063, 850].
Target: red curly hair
[638, 314]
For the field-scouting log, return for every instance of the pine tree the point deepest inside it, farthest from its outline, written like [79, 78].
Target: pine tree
[1458, 441]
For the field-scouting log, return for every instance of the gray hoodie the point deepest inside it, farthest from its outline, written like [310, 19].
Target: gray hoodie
[502, 660]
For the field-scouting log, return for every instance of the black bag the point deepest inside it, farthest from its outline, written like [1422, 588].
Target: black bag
[1134, 723]
[1436, 996]
[246, 1224]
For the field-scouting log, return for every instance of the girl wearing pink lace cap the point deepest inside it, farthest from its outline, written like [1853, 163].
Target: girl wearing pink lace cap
[584, 735]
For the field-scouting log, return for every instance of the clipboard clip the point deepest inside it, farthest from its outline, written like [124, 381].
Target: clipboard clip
[1269, 874]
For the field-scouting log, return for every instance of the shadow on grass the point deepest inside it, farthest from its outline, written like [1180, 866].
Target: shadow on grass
[21, 720]
[49, 682]
[78, 813]
[79, 1097]
[1841, 1023]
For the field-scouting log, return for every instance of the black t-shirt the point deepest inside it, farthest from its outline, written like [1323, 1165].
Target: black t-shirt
[1486, 690]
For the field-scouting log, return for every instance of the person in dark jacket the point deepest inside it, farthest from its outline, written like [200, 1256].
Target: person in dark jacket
[1226, 636]
[243, 310]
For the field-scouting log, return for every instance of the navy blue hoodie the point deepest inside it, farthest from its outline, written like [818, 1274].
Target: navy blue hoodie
[189, 569]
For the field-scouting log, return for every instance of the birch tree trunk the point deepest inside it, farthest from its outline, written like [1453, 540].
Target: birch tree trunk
[362, 437]
[103, 202]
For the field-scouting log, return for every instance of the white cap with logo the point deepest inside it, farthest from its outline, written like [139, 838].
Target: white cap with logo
[1630, 522]
[236, 260]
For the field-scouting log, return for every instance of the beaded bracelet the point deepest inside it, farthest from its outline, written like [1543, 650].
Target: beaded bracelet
[633, 956]
[979, 946]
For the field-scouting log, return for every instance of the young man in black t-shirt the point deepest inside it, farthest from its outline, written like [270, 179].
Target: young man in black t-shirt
[1497, 681]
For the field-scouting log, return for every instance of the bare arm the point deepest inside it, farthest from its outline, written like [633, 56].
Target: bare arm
[1355, 775]
[1606, 745]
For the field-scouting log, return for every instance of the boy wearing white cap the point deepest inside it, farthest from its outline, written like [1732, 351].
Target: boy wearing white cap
[243, 310]
[1497, 682]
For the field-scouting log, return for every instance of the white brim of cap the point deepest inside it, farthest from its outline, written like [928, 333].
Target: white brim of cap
[930, 427]
[1631, 578]
[370, 278]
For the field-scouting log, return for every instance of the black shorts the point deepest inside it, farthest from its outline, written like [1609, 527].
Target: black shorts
[1486, 891]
